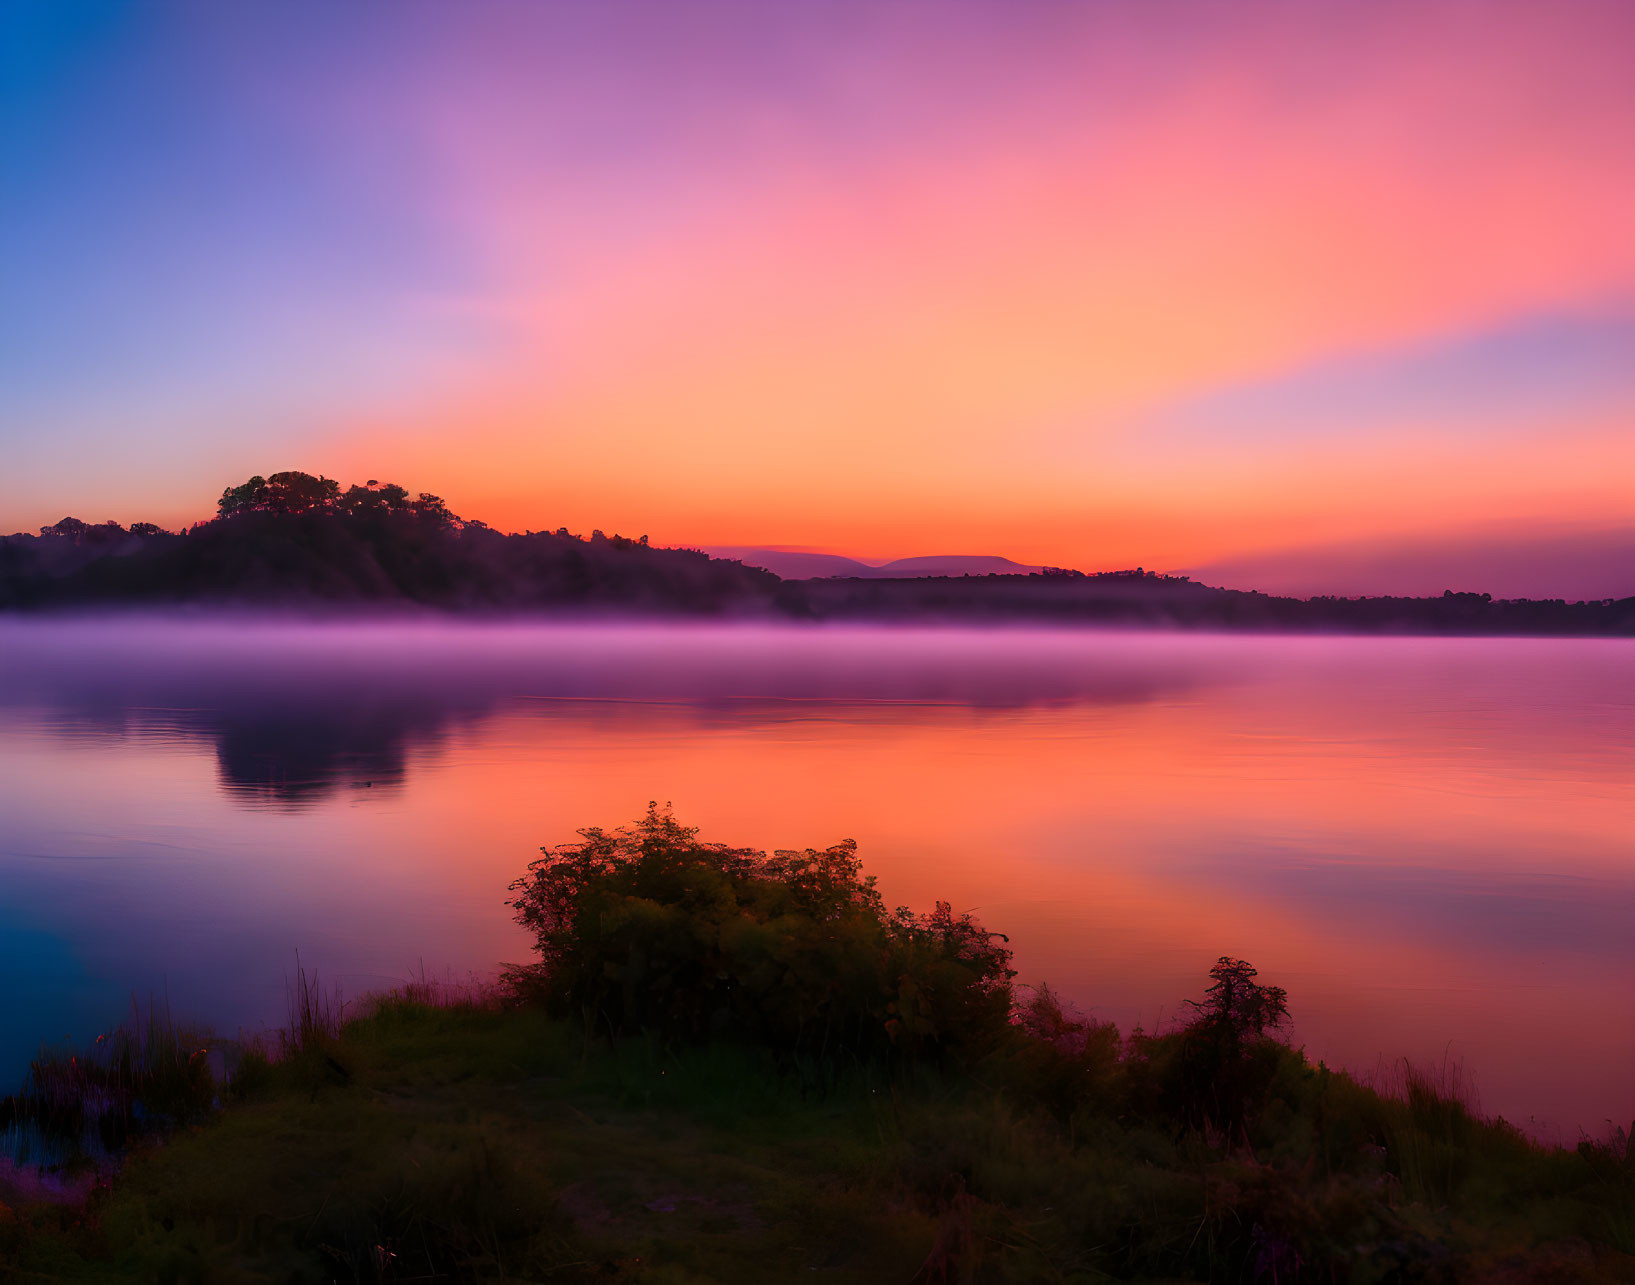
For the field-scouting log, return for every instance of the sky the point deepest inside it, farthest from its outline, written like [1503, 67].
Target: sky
[1339, 297]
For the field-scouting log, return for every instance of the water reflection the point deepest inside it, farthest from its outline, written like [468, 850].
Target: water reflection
[297, 712]
[1427, 842]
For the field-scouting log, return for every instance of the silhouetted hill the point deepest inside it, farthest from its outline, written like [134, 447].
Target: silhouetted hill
[792, 564]
[799, 564]
[953, 564]
[292, 540]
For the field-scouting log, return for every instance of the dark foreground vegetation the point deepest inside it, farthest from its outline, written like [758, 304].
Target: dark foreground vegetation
[727, 1066]
[294, 540]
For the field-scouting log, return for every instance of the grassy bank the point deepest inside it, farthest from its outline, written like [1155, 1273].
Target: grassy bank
[729, 1066]
[458, 1142]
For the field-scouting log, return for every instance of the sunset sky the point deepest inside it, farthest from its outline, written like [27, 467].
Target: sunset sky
[1313, 296]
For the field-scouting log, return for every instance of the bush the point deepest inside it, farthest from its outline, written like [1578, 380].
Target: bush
[647, 929]
[1064, 1061]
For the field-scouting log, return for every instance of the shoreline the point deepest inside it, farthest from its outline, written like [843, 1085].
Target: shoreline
[509, 1137]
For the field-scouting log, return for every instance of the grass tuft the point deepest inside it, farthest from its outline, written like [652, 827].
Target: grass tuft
[79, 1107]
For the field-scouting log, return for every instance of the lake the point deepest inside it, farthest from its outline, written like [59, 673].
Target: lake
[1429, 842]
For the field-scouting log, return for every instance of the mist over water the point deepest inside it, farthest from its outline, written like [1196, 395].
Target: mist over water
[1427, 841]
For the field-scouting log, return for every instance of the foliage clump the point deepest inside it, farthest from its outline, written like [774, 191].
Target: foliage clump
[647, 929]
[294, 492]
[1061, 1059]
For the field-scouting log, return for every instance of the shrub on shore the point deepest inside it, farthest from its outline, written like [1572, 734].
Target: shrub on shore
[647, 929]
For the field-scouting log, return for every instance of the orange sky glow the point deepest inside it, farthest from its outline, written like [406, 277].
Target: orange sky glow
[1092, 285]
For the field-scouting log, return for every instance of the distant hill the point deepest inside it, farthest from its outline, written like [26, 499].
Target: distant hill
[953, 565]
[792, 564]
[798, 564]
[292, 540]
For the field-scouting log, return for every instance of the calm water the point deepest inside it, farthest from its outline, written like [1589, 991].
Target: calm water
[1430, 843]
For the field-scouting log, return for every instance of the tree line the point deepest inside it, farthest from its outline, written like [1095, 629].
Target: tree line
[298, 539]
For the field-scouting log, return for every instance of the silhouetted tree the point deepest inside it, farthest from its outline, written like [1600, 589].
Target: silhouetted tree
[1227, 1057]
[247, 497]
[295, 492]
[287, 492]
[430, 508]
[1236, 1005]
[357, 500]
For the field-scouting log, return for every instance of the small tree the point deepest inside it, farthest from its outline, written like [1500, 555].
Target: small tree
[1236, 1007]
[1227, 1057]
[649, 929]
